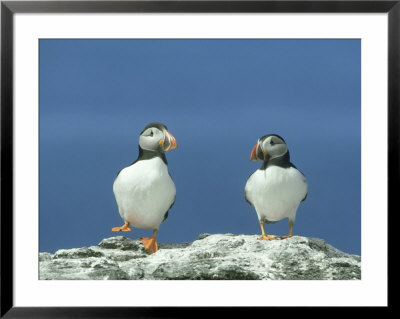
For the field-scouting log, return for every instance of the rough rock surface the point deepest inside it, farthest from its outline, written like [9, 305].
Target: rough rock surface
[219, 256]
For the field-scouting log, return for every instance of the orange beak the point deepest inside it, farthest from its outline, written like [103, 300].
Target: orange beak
[253, 155]
[172, 142]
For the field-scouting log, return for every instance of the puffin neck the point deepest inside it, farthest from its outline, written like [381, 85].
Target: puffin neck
[281, 161]
[146, 154]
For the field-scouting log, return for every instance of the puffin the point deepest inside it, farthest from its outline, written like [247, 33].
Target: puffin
[144, 191]
[277, 188]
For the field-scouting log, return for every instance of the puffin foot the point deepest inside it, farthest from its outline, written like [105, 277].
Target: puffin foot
[267, 237]
[290, 230]
[150, 244]
[122, 228]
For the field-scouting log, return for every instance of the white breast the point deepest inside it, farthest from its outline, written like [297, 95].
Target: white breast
[276, 192]
[144, 192]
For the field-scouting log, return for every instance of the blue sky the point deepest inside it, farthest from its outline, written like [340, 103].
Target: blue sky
[217, 97]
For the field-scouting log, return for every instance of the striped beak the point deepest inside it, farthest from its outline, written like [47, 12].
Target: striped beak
[256, 153]
[169, 142]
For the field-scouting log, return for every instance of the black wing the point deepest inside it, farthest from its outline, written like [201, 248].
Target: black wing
[173, 202]
[247, 200]
[305, 181]
[166, 214]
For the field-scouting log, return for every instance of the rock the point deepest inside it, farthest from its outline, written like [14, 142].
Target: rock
[217, 256]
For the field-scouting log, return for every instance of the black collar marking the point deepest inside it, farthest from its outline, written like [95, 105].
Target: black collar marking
[146, 154]
[281, 161]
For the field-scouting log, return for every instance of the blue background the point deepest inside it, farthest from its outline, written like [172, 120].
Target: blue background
[217, 97]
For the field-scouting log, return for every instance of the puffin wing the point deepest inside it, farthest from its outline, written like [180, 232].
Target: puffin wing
[247, 200]
[304, 180]
[172, 204]
[166, 213]
[245, 192]
[305, 197]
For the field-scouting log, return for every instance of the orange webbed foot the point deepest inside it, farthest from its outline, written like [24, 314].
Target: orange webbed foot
[267, 237]
[150, 244]
[122, 228]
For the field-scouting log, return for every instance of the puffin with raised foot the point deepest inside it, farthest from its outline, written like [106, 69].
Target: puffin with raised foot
[276, 189]
[144, 191]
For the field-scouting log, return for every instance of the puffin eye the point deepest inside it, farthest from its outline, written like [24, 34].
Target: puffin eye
[151, 133]
[272, 142]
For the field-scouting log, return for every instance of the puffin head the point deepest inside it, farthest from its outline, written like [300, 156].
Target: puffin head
[268, 147]
[155, 137]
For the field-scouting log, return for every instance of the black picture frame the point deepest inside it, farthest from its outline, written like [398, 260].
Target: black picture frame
[9, 8]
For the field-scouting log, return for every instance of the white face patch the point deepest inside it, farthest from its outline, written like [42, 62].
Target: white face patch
[150, 139]
[274, 146]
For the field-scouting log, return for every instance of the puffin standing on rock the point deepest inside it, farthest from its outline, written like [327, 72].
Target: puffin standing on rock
[144, 191]
[276, 189]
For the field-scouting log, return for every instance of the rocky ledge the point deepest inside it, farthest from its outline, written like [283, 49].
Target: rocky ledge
[218, 256]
